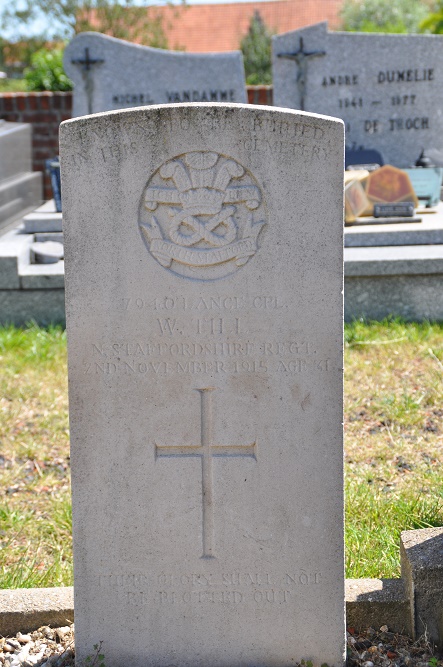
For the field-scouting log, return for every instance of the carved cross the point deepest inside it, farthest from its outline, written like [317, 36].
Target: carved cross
[206, 450]
[86, 64]
[302, 57]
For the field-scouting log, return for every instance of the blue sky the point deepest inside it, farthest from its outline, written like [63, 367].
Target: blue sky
[38, 27]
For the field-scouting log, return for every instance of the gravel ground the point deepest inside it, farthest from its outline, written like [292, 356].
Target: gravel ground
[54, 647]
[387, 649]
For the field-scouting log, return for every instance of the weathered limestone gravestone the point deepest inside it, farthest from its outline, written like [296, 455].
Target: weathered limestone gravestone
[20, 187]
[110, 73]
[204, 316]
[387, 88]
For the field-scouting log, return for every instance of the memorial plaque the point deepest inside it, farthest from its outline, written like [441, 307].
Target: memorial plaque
[204, 316]
[401, 210]
[109, 73]
[387, 88]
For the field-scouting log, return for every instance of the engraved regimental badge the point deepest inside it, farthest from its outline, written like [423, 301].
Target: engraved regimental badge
[201, 215]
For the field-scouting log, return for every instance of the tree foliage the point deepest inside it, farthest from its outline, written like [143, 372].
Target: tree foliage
[46, 71]
[64, 18]
[256, 47]
[396, 16]
[434, 21]
[14, 56]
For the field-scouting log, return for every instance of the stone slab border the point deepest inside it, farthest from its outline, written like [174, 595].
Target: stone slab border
[27, 609]
[411, 605]
[369, 602]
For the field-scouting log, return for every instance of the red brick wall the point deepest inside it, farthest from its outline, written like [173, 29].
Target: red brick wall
[260, 95]
[45, 111]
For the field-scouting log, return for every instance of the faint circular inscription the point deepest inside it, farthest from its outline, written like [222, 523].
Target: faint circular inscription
[201, 215]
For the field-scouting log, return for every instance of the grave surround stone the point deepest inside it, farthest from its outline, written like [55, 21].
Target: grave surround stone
[15, 143]
[110, 73]
[20, 187]
[204, 319]
[386, 88]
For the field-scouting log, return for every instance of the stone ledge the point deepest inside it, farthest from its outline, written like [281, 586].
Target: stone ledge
[413, 297]
[21, 306]
[14, 253]
[369, 602]
[377, 602]
[42, 221]
[421, 555]
[394, 260]
[411, 605]
[27, 609]
[427, 232]
[43, 276]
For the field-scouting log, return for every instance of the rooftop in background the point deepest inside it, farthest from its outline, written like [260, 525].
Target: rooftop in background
[220, 27]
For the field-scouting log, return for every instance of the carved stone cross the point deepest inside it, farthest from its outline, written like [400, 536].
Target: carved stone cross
[302, 57]
[206, 450]
[86, 64]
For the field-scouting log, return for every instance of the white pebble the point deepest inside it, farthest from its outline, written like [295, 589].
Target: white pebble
[23, 654]
[47, 631]
[14, 643]
[368, 663]
[34, 659]
[23, 639]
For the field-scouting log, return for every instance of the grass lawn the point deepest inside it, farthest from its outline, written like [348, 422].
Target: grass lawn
[12, 85]
[393, 448]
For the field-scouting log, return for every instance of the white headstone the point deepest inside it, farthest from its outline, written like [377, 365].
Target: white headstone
[387, 88]
[110, 73]
[204, 316]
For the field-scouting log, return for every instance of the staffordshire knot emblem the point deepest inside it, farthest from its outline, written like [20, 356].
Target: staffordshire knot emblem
[201, 214]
